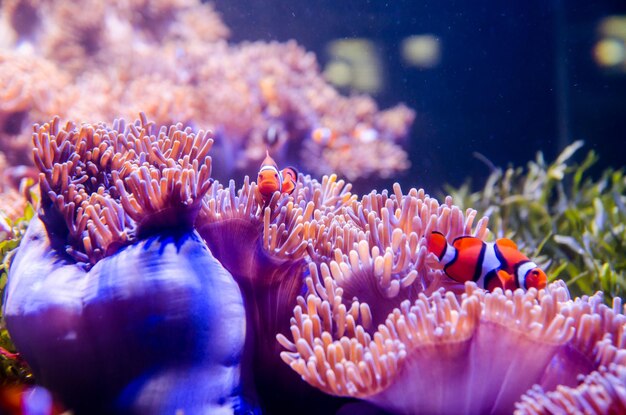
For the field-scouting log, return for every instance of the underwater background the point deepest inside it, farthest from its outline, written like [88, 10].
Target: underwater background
[146, 267]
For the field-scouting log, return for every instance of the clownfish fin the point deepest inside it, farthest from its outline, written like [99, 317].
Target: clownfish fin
[507, 280]
[437, 244]
[288, 187]
[507, 242]
[467, 242]
[499, 278]
[492, 280]
[290, 172]
[268, 160]
[290, 177]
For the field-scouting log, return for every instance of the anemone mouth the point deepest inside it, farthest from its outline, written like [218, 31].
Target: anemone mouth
[172, 217]
[112, 185]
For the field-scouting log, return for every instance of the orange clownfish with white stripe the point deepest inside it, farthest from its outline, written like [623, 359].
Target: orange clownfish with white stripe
[324, 136]
[270, 179]
[489, 264]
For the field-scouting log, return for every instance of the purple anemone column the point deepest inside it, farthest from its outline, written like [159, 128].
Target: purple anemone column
[113, 299]
[157, 327]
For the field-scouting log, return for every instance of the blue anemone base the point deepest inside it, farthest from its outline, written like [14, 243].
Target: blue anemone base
[157, 327]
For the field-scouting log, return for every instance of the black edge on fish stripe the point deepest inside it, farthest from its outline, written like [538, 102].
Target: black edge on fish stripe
[503, 262]
[489, 276]
[456, 256]
[445, 248]
[516, 268]
[479, 264]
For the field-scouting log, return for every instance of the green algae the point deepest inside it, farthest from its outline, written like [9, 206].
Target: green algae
[13, 370]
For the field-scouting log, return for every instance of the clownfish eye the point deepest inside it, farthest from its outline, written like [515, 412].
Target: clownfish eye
[276, 176]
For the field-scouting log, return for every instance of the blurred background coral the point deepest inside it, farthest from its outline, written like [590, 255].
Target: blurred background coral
[503, 79]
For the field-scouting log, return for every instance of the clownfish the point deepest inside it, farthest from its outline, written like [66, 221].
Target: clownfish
[489, 264]
[270, 179]
[324, 136]
[364, 134]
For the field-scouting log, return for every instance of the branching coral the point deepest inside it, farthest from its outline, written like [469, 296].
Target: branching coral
[253, 95]
[25, 95]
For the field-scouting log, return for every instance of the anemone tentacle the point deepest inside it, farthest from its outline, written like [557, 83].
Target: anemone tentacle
[108, 183]
[601, 392]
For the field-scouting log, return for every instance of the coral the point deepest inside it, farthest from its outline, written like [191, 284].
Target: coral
[573, 222]
[168, 58]
[25, 95]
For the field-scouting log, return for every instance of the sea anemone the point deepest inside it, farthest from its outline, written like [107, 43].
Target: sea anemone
[113, 299]
[379, 320]
[266, 246]
[270, 247]
[128, 292]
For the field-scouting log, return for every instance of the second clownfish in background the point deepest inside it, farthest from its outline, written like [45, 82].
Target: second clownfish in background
[489, 264]
[270, 179]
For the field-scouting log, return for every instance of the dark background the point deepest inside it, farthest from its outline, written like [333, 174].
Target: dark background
[514, 78]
